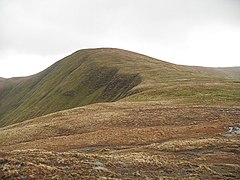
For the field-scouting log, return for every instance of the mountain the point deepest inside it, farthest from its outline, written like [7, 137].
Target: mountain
[105, 75]
[114, 114]
[226, 72]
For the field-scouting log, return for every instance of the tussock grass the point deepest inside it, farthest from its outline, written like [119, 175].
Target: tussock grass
[124, 140]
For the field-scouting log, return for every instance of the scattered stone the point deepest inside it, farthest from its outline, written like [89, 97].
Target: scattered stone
[22, 177]
[100, 168]
[19, 165]
[137, 173]
[231, 111]
[233, 130]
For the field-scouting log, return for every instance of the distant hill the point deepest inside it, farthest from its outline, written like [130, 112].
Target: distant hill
[225, 72]
[105, 75]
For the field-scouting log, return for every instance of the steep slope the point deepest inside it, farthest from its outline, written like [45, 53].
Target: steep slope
[105, 75]
[74, 81]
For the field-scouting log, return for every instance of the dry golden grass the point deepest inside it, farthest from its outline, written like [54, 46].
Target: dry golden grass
[124, 140]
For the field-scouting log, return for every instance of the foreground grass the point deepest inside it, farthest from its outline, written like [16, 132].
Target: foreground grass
[124, 140]
[218, 159]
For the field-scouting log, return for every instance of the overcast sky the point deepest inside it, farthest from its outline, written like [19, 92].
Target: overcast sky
[36, 33]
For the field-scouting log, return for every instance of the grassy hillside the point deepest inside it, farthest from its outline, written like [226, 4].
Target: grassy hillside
[74, 81]
[105, 75]
[225, 72]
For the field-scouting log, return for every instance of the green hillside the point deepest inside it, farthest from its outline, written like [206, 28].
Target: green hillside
[105, 75]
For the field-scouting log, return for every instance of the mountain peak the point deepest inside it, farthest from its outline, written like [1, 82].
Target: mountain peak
[104, 75]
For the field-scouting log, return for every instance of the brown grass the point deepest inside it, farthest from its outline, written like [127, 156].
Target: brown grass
[124, 140]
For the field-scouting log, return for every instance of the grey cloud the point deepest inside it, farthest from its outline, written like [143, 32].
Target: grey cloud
[56, 26]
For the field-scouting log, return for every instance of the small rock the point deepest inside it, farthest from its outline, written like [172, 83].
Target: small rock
[233, 130]
[97, 163]
[22, 177]
[100, 168]
[19, 165]
[138, 173]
